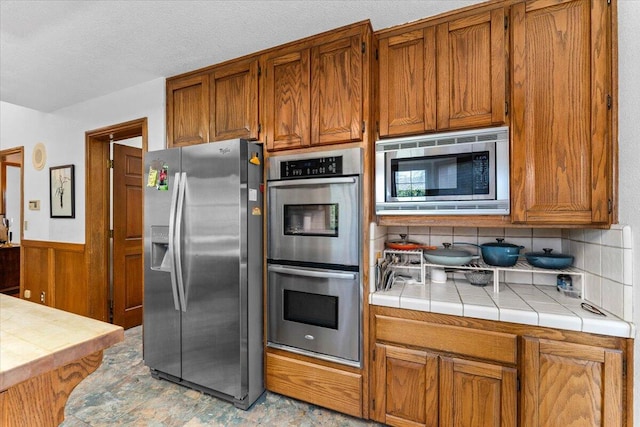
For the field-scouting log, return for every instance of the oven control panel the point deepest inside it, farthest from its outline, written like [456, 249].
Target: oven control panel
[318, 167]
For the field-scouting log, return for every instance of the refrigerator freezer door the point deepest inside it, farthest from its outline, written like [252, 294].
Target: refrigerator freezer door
[212, 249]
[161, 339]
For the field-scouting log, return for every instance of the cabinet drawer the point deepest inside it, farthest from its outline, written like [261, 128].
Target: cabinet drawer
[489, 345]
[316, 384]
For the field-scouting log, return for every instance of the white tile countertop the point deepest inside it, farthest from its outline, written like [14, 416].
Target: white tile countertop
[538, 305]
[35, 339]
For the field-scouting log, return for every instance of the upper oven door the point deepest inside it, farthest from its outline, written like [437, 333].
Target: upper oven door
[314, 220]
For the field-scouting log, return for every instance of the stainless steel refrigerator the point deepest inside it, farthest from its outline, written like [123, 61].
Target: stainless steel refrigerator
[203, 306]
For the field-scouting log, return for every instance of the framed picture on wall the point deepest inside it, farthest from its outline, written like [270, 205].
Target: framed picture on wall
[61, 192]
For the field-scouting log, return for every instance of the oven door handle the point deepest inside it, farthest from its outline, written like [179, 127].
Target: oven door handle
[313, 181]
[312, 273]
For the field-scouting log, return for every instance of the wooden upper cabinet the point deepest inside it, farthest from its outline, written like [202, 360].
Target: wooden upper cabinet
[314, 90]
[407, 89]
[568, 384]
[336, 91]
[234, 101]
[561, 171]
[217, 104]
[471, 60]
[187, 110]
[446, 76]
[287, 100]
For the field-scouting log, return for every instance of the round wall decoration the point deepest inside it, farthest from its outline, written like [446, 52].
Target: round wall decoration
[39, 157]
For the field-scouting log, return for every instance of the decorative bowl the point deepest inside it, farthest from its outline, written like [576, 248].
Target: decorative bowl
[479, 277]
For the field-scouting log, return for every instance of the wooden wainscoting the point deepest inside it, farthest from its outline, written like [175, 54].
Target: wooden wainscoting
[54, 274]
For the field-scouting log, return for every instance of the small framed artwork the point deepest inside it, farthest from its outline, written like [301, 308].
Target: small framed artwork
[61, 191]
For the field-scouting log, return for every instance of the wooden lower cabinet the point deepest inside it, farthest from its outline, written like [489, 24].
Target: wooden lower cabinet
[404, 387]
[430, 369]
[477, 394]
[567, 384]
[10, 271]
[326, 386]
[421, 388]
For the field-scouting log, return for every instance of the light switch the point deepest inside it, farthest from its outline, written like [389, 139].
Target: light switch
[34, 205]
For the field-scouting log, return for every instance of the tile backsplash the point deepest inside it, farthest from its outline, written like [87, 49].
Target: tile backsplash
[605, 256]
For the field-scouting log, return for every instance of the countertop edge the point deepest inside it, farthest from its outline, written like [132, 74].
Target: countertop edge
[613, 327]
[60, 358]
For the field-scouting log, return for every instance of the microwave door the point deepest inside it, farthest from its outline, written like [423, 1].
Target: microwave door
[432, 178]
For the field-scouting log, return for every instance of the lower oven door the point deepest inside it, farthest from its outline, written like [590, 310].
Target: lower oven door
[315, 312]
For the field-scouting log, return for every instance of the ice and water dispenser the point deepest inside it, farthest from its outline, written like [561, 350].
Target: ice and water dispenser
[160, 255]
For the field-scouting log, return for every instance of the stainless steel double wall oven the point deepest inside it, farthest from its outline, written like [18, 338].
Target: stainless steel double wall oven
[313, 254]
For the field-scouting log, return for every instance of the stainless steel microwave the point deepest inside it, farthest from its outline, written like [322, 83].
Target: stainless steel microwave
[455, 173]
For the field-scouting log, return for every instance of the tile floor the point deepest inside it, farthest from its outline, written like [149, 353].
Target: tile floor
[121, 392]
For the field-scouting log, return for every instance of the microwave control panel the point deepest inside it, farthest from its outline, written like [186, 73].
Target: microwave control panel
[481, 173]
[318, 167]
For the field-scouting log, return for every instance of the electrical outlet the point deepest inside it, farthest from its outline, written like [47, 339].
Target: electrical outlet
[26, 225]
[42, 295]
[27, 293]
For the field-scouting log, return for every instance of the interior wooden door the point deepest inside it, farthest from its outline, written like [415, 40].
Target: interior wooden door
[128, 249]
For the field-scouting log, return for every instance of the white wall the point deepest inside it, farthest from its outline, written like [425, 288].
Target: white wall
[629, 155]
[21, 126]
[144, 100]
[63, 134]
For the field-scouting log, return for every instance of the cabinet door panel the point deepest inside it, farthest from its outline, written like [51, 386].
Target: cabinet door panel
[287, 102]
[561, 155]
[336, 95]
[188, 111]
[234, 102]
[477, 394]
[405, 387]
[571, 384]
[407, 83]
[471, 59]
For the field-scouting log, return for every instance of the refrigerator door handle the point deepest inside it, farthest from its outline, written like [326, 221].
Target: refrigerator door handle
[178, 238]
[172, 218]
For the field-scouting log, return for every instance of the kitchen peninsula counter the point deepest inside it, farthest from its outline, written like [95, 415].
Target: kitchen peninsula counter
[44, 354]
[537, 305]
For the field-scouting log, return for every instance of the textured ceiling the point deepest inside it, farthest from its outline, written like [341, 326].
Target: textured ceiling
[54, 54]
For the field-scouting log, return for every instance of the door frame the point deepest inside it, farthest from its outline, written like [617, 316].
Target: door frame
[7, 158]
[97, 207]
